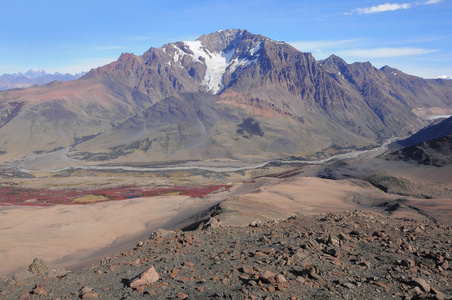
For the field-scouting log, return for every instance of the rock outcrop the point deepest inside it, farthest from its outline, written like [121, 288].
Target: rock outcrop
[330, 256]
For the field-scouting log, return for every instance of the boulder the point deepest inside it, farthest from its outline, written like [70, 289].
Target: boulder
[147, 277]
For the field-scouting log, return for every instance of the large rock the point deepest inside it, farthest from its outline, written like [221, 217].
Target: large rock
[160, 233]
[147, 277]
[38, 266]
[420, 282]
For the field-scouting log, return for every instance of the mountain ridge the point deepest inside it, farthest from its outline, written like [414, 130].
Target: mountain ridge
[33, 77]
[302, 106]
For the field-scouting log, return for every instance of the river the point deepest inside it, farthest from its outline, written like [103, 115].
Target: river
[210, 168]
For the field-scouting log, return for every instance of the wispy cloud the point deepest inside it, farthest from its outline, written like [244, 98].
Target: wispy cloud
[432, 1]
[383, 8]
[385, 52]
[389, 7]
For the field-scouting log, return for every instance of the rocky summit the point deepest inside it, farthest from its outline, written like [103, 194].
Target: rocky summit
[349, 255]
[229, 95]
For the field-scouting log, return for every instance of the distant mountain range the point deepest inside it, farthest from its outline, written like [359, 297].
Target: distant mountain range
[32, 77]
[228, 95]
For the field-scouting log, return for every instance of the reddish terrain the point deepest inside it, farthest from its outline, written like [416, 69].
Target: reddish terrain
[49, 197]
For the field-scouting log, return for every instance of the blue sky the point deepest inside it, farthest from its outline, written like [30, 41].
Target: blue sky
[73, 36]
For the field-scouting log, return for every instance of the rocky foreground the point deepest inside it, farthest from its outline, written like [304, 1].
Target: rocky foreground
[350, 255]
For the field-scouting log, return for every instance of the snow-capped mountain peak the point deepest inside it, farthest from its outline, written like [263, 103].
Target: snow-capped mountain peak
[217, 62]
[35, 73]
[445, 77]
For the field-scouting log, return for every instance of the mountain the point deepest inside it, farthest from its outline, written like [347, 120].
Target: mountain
[437, 129]
[32, 77]
[445, 77]
[436, 152]
[228, 95]
[431, 145]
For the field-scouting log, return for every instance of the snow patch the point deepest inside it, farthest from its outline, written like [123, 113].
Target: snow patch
[178, 55]
[256, 49]
[215, 62]
[240, 62]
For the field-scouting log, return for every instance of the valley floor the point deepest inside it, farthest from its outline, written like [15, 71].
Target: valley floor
[68, 237]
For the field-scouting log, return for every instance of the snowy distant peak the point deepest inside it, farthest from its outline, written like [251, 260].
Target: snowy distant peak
[35, 73]
[32, 77]
[445, 77]
[38, 73]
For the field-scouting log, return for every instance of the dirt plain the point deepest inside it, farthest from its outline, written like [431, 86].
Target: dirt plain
[72, 236]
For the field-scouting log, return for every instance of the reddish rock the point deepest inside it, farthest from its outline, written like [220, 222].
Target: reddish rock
[182, 296]
[248, 269]
[280, 278]
[90, 295]
[87, 293]
[136, 262]
[151, 293]
[40, 289]
[300, 280]
[147, 277]
[421, 283]
[268, 274]
[188, 264]
[200, 289]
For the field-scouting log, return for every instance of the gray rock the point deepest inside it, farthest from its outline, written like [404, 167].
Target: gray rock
[23, 275]
[159, 233]
[38, 266]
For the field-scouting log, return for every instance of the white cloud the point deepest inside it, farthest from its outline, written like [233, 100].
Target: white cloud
[384, 7]
[385, 52]
[389, 7]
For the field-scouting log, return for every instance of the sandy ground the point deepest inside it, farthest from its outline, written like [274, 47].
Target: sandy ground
[277, 199]
[66, 236]
[77, 235]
